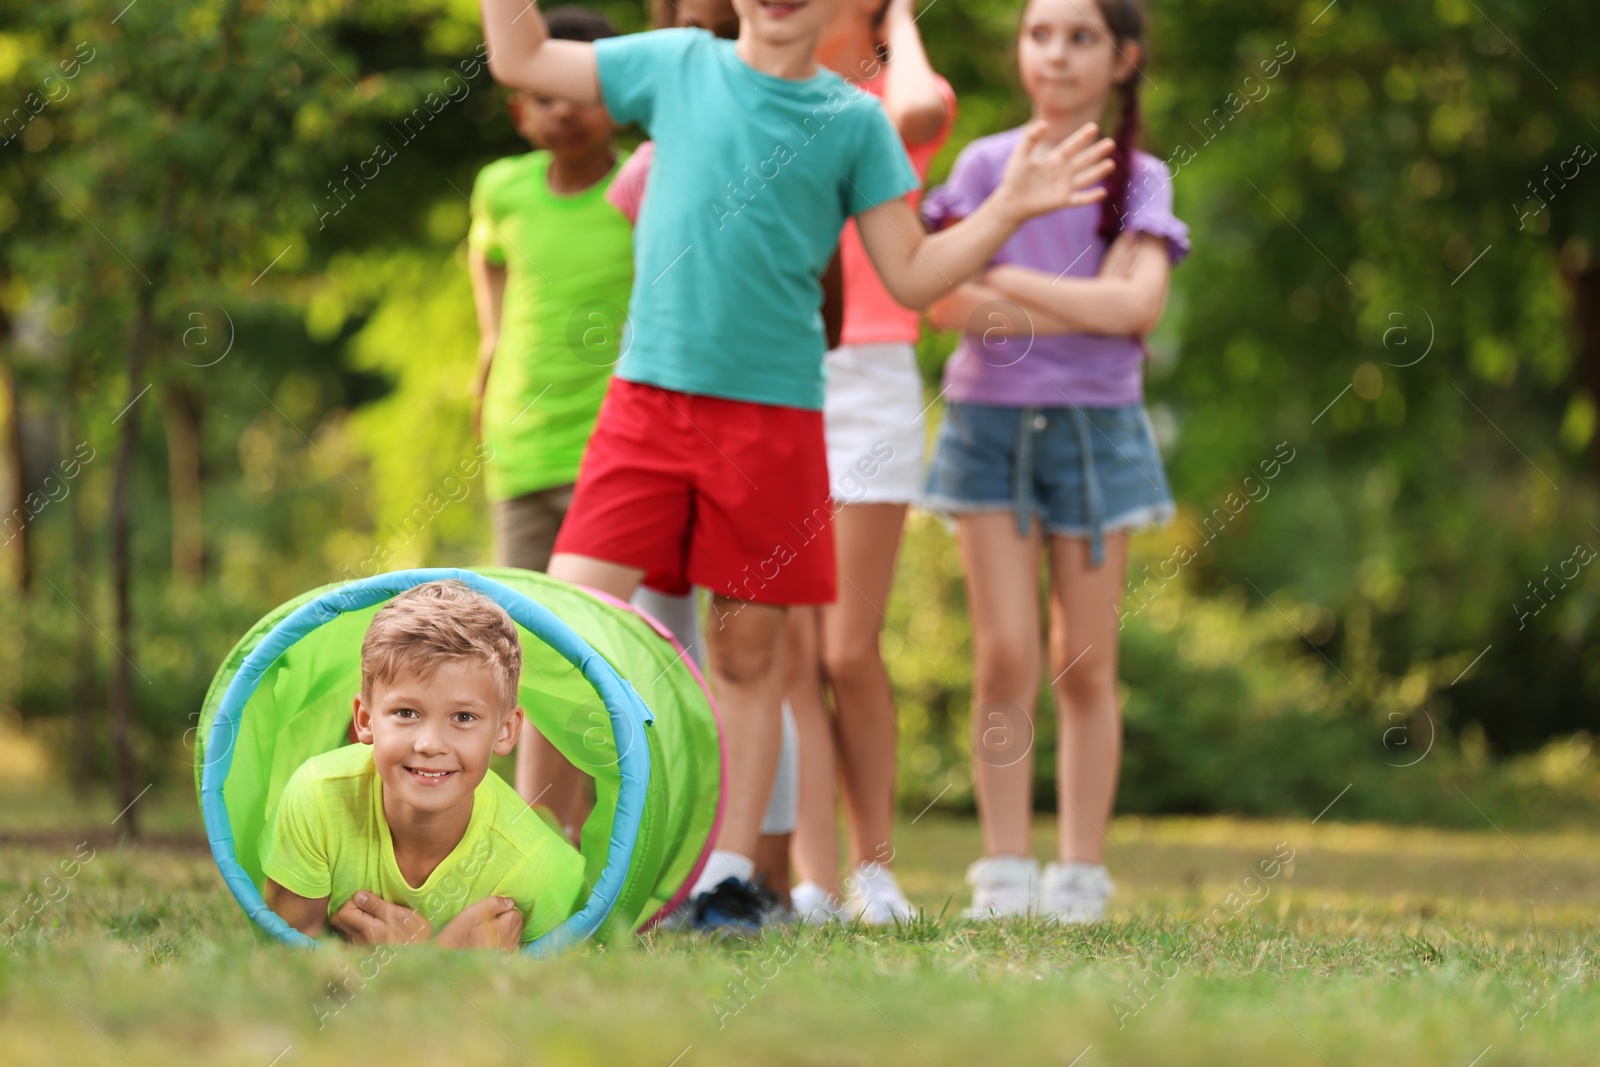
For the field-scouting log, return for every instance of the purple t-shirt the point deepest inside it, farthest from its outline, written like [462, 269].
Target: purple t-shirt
[1061, 369]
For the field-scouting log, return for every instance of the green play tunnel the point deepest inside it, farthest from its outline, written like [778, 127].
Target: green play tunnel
[609, 687]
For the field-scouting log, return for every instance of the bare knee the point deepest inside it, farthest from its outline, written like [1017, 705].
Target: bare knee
[748, 650]
[1084, 676]
[1007, 659]
[851, 662]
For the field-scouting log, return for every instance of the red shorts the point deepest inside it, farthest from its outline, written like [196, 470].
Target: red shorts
[698, 490]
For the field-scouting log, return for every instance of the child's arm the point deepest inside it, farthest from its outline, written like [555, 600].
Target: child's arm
[1124, 300]
[917, 267]
[911, 97]
[493, 922]
[488, 297]
[522, 55]
[832, 282]
[308, 916]
[979, 308]
[368, 919]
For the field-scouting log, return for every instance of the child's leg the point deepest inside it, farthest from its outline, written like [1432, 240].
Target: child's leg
[679, 614]
[1083, 665]
[614, 578]
[867, 538]
[524, 535]
[783, 809]
[772, 864]
[745, 643]
[816, 833]
[525, 527]
[544, 775]
[1002, 570]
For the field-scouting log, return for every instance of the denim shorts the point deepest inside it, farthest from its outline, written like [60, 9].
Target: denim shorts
[1082, 472]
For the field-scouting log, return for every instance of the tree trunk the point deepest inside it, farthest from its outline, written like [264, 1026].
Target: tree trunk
[1586, 302]
[121, 572]
[14, 519]
[13, 522]
[87, 709]
[182, 421]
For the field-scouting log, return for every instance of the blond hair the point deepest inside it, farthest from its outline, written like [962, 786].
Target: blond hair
[428, 624]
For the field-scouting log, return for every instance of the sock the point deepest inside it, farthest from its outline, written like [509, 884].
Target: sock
[721, 866]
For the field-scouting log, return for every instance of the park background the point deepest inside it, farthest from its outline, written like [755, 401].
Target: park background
[236, 341]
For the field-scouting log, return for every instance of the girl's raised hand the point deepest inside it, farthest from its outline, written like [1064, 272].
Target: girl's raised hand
[1039, 180]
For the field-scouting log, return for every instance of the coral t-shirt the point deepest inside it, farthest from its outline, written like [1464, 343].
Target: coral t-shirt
[871, 315]
[627, 189]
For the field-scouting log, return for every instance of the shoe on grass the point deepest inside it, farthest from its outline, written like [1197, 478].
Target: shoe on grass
[1075, 892]
[677, 920]
[814, 905]
[773, 910]
[731, 908]
[1002, 887]
[874, 896]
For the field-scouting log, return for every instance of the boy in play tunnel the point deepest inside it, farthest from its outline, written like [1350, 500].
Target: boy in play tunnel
[406, 835]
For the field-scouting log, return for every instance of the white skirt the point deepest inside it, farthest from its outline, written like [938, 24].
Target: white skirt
[873, 420]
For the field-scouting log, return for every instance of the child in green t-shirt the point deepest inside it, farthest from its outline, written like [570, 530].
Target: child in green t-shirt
[408, 832]
[552, 267]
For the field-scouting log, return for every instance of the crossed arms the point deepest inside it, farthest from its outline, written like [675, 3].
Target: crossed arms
[368, 919]
[915, 267]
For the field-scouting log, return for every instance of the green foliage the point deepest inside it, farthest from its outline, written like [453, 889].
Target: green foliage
[1373, 285]
[1227, 708]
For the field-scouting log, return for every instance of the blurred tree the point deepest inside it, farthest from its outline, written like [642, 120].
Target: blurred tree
[255, 208]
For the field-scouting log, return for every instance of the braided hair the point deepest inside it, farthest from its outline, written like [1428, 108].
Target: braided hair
[1125, 18]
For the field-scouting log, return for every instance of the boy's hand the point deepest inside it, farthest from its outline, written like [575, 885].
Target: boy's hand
[368, 919]
[493, 922]
[1040, 180]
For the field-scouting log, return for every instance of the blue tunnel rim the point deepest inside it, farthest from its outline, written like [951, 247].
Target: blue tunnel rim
[627, 711]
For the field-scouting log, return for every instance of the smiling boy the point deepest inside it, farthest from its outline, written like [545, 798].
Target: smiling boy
[407, 832]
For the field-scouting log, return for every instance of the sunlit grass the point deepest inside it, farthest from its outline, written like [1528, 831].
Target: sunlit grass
[1374, 945]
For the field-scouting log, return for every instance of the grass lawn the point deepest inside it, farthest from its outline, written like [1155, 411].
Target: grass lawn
[1371, 945]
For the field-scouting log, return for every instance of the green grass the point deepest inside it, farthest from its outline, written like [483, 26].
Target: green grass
[1375, 946]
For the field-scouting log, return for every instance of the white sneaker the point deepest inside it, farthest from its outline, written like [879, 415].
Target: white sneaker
[875, 898]
[814, 905]
[1002, 886]
[1075, 892]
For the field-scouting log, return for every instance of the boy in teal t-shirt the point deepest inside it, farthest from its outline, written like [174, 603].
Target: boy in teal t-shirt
[408, 835]
[552, 265]
[708, 465]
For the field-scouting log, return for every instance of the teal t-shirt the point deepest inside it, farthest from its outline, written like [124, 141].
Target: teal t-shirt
[753, 178]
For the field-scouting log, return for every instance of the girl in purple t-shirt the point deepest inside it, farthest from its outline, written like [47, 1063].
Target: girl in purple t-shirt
[1045, 449]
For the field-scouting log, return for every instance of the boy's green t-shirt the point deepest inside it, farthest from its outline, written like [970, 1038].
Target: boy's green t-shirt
[330, 838]
[752, 180]
[569, 268]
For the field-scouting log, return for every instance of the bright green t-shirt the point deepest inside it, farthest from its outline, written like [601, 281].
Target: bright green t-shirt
[330, 838]
[752, 180]
[569, 266]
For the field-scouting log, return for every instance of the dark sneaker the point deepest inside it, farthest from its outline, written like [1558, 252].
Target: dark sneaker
[773, 912]
[730, 908]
